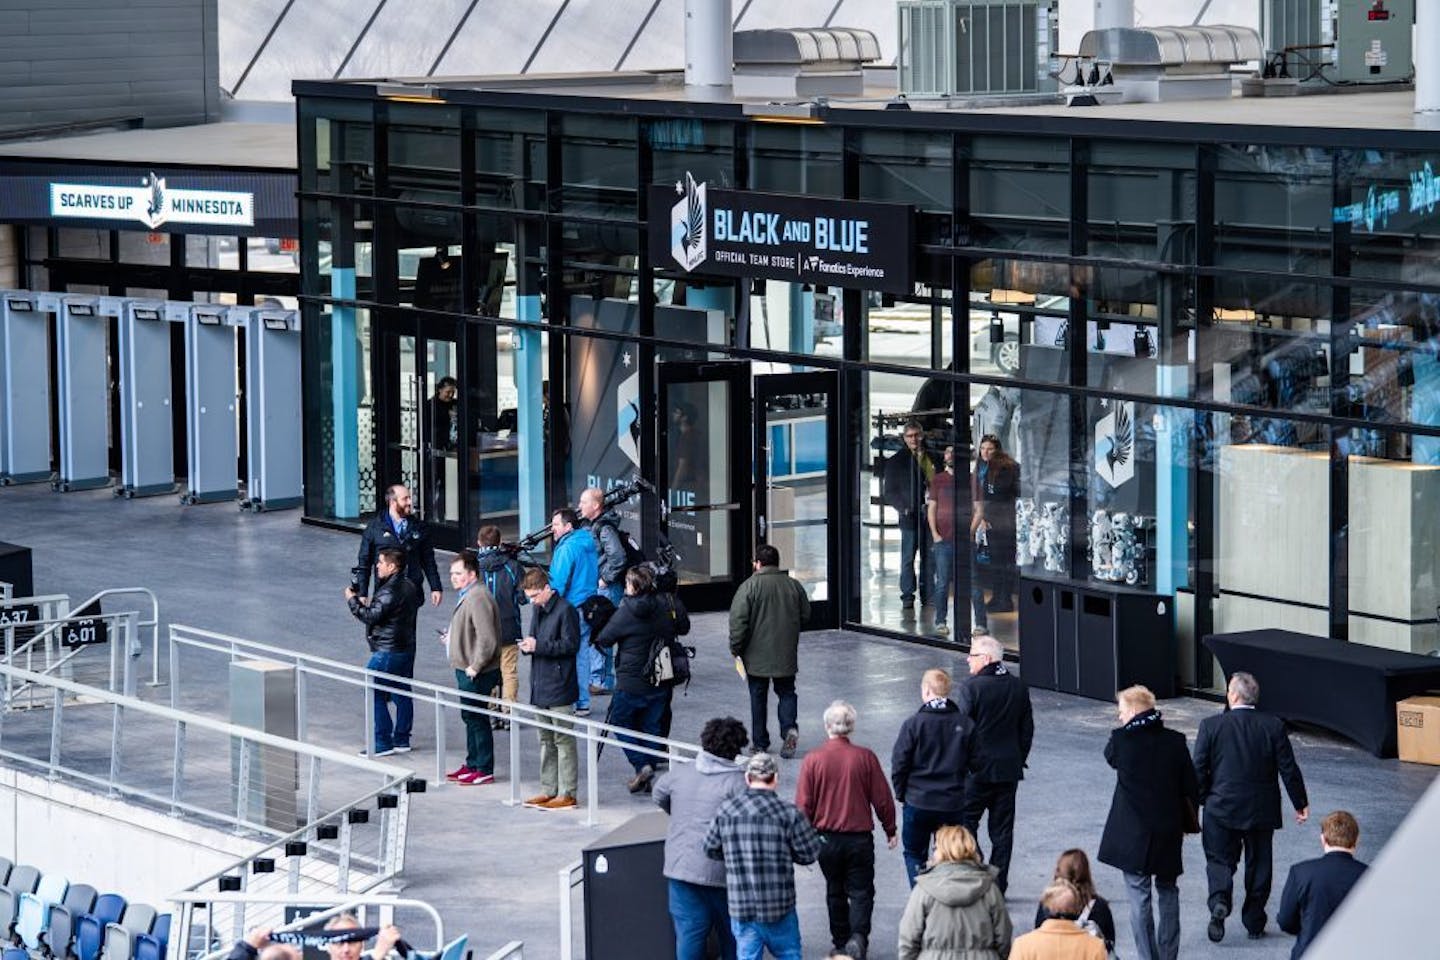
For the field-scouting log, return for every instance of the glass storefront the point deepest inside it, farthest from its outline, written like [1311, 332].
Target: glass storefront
[1197, 368]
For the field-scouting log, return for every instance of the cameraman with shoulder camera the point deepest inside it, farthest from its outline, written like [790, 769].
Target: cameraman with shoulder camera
[644, 622]
[604, 526]
[389, 618]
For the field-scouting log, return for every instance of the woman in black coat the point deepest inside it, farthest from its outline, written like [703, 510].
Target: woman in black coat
[1155, 795]
[643, 620]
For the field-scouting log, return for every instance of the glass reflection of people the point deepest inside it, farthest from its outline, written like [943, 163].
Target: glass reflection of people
[994, 485]
[444, 442]
[687, 454]
[940, 516]
[904, 479]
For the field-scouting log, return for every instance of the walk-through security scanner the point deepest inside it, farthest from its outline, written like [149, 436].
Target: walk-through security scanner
[210, 397]
[147, 455]
[272, 392]
[83, 367]
[25, 385]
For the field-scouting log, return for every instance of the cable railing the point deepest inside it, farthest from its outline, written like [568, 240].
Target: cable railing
[332, 682]
[165, 759]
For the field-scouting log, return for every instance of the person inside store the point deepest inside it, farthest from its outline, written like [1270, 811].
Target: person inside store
[687, 454]
[444, 441]
[905, 476]
[994, 486]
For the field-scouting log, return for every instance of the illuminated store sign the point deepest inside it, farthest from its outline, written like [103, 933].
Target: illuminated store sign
[841, 243]
[1378, 206]
[152, 203]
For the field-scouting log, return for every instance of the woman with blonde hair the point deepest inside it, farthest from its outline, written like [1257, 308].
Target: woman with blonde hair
[956, 911]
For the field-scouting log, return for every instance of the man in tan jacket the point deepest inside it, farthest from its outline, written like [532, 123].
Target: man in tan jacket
[473, 641]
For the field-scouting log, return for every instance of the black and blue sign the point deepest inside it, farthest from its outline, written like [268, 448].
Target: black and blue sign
[734, 233]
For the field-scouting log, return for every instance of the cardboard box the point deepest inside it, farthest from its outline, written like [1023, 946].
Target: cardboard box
[1417, 729]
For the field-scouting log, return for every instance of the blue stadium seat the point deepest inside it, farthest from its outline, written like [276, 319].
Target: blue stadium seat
[15, 953]
[151, 946]
[455, 949]
[90, 928]
[33, 915]
[60, 935]
[120, 936]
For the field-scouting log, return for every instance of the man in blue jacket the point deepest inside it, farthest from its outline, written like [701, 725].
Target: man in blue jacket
[574, 574]
[1315, 889]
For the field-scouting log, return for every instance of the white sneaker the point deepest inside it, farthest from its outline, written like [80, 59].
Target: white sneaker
[400, 749]
[380, 753]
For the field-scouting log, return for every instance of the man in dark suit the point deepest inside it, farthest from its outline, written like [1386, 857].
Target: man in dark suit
[1155, 790]
[1315, 888]
[997, 705]
[1238, 755]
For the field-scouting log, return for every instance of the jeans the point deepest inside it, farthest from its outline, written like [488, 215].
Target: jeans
[782, 937]
[583, 661]
[789, 709]
[641, 712]
[1148, 944]
[917, 829]
[394, 733]
[998, 801]
[914, 539]
[1223, 846]
[602, 662]
[558, 770]
[943, 554]
[479, 741]
[848, 862]
[696, 910]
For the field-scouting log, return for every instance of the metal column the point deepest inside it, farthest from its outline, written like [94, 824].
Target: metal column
[210, 406]
[272, 390]
[25, 386]
[147, 454]
[84, 391]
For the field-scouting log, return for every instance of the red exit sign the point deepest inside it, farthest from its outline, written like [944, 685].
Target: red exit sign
[1378, 11]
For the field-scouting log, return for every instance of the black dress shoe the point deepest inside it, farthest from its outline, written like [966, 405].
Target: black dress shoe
[1255, 934]
[1216, 930]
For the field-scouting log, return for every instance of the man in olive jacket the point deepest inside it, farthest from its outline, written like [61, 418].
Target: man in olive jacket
[765, 620]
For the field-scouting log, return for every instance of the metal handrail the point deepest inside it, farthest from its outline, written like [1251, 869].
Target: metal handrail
[334, 906]
[78, 614]
[593, 732]
[123, 623]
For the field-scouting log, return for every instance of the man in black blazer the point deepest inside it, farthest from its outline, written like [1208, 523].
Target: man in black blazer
[997, 706]
[1315, 888]
[1155, 790]
[1238, 755]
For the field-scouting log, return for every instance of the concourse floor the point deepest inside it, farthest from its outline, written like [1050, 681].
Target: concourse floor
[491, 869]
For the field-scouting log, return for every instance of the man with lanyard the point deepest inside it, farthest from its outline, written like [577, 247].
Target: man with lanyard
[473, 644]
[396, 527]
[904, 480]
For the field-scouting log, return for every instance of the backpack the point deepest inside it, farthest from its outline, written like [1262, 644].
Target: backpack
[596, 610]
[668, 664]
[492, 583]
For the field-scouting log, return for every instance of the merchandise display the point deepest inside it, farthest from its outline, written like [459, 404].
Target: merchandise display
[1119, 547]
[1041, 534]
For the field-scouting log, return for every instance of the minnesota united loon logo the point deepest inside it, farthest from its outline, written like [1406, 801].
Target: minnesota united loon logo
[155, 205]
[1115, 445]
[687, 224]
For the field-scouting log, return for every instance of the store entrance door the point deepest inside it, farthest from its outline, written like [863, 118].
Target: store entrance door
[796, 450]
[704, 477]
[420, 437]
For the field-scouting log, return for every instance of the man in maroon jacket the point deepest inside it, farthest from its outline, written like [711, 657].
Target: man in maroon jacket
[840, 784]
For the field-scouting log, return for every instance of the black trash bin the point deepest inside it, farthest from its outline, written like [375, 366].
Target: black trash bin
[626, 896]
[15, 569]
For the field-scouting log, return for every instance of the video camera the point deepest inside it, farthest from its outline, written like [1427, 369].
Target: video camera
[618, 495]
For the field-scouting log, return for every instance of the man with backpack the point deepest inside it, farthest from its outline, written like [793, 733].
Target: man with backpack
[642, 631]
[501, 575]
[617, 553]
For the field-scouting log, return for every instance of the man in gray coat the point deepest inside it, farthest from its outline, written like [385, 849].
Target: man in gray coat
[765, 620]
[691, 793]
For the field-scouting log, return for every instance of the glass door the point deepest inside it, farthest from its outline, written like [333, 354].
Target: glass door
[795, 498]
[704, 466]
[422, 437]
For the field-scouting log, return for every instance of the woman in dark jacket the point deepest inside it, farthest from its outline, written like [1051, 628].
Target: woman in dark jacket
[1155, 794]
[644, 620]
[994, 486]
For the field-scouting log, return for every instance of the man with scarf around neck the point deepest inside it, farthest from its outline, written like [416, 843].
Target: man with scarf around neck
[1002, 727]
[927, 769]
[1155, 788]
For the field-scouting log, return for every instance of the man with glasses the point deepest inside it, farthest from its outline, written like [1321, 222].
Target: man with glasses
[905, 477]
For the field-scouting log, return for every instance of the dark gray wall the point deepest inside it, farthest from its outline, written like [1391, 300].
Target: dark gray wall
[74, 61]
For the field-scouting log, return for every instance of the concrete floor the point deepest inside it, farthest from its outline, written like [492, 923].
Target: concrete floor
[491, 869]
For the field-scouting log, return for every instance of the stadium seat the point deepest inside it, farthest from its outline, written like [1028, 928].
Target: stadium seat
[5, 868]
[151, 946]
[120, 935]
[15, 953]
[58, 937]
[32, 916]
[90, 928]
[455, 949]
[21, 880]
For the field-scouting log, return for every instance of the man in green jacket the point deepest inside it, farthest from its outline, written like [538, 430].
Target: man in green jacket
[765, 620]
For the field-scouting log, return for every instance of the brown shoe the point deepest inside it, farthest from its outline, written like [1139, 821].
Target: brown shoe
[559, 803]
[540, 800]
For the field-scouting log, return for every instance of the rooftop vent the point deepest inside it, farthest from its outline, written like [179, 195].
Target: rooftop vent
[797, 63]
[1161, 63]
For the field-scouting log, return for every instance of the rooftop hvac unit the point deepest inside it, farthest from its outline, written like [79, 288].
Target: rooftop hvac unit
[1339, 41]
[963, 48]
[1295, 25]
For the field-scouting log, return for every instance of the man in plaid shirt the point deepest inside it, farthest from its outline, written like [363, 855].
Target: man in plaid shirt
[759, 835]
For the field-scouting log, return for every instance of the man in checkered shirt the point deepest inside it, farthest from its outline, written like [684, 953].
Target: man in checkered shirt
[759, 835]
